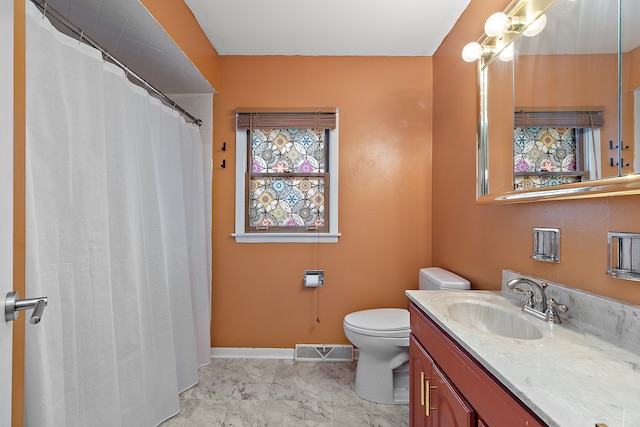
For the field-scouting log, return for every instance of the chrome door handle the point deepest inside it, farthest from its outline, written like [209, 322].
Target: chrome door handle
[12, 305]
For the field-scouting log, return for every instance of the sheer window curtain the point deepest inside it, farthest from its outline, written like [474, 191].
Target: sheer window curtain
[592, 158]
[116, 238]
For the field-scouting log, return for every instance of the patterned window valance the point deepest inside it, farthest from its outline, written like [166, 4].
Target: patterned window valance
[593, 118]
[317, 118]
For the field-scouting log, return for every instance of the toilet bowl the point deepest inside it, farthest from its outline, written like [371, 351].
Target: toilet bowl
[382, 338]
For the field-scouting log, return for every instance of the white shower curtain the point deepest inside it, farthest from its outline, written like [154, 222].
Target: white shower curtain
[116, 239]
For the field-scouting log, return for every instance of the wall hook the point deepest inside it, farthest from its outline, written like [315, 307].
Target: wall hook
[223, 164]
[612, 164]
[224, 146]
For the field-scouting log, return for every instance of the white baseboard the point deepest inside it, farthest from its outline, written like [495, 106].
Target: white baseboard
[257, 353]
[251, 353]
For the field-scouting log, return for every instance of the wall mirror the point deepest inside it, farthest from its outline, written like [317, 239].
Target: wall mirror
[559, 112]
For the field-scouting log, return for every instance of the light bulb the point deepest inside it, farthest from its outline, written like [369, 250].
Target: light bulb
[495, 24]
[472, 51]
[536, 26]
[507, 53]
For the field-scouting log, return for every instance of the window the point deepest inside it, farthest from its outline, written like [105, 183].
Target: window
[286, 179]
[287, 176]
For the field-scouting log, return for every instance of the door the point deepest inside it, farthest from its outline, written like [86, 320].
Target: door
[6, 202]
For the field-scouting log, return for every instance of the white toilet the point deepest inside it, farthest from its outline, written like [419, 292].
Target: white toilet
[382, 337]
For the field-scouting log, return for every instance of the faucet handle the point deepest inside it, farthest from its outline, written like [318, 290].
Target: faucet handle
[551, 315]
[551, 302]
[531, 302]
[528, 293]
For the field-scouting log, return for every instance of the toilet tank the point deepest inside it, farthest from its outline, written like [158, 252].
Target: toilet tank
[434, 278]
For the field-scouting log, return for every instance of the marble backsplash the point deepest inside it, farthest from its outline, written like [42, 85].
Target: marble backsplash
[611, 320]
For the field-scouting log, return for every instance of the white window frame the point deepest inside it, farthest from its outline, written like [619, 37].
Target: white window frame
[636, 130]
[242, 236]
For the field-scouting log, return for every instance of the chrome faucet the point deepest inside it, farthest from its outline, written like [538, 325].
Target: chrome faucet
[541, 307]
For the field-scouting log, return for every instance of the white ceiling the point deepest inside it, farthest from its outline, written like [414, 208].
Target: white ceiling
[259, 27]
[328, 27]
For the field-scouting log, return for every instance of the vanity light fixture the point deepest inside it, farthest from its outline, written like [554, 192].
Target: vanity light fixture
[472, 52]
[501, 29]
[496, 24]
[536, 27]
[507, 54]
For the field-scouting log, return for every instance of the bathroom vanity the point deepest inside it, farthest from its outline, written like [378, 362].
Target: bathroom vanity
[476, 359]
[445, 379]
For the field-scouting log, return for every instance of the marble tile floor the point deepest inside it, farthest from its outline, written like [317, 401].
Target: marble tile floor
[281, 393]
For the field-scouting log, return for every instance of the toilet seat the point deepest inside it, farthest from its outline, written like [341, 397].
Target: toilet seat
[379, 322]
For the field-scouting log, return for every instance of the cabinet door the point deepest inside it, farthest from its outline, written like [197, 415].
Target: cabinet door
[420, 365]
[451, 409]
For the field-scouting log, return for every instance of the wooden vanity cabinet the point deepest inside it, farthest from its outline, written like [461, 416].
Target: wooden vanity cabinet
[449, 388]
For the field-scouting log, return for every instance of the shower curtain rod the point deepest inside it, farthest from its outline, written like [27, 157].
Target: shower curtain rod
[49, 11]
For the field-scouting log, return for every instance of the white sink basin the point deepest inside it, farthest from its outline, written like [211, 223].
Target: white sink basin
[495, 318]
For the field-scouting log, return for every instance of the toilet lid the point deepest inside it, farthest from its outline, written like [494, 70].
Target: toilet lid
[379, 319]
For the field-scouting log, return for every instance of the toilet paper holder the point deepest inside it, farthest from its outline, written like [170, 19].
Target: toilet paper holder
[313, 278]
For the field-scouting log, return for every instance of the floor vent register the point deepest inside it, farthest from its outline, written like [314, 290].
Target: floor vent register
[323, 353]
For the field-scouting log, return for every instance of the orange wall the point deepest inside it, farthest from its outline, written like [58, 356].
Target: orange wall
[384, 198]
[631, 70]
[19, 231]
[479, 241]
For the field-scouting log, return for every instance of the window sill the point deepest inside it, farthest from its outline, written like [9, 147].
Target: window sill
[286, 237]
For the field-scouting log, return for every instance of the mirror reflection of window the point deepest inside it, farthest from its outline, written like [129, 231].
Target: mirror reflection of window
[556, 147]
[544, 157]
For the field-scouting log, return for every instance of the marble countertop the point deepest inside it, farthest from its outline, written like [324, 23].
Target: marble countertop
[569, 377]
